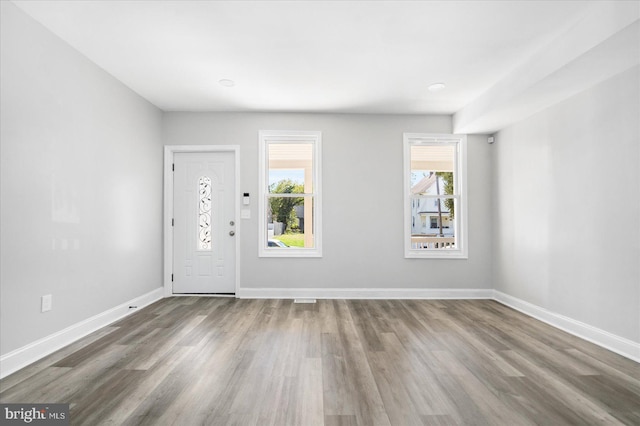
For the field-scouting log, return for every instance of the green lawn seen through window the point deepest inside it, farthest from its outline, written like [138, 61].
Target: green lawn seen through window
[292, 240]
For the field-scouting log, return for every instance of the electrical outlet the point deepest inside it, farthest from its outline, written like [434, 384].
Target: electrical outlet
[47, 302]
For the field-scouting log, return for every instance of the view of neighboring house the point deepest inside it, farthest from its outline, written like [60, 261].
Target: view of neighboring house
[425, 214]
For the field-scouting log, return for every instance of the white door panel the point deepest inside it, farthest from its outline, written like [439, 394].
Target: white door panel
[204, 228]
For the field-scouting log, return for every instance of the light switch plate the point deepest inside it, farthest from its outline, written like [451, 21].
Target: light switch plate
[47, 302]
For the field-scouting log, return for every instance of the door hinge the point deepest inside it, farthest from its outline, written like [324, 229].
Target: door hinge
[173, 222]
[173, 167]
[171, 277]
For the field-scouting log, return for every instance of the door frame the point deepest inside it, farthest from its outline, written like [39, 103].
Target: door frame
[167, 227]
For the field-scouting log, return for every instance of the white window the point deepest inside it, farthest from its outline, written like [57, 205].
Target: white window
[435, 188]
[290, 197]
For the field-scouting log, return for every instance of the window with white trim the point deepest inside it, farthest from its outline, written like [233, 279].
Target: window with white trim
[290, 196]
[435, 211]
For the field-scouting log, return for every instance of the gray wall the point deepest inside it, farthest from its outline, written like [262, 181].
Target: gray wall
[81, 164]
[559, 176]
[363, 204]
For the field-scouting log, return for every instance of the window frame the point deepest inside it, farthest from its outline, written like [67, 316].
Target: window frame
[460, 183]
[314, 138]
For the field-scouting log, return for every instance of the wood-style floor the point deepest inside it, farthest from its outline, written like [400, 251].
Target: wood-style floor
[222, 361]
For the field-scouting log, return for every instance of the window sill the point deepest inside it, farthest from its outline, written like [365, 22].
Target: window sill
[287, 252]
[417, 254]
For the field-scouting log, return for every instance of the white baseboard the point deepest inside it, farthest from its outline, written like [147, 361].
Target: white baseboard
[21, 357]
[612, 342]
[363, 293]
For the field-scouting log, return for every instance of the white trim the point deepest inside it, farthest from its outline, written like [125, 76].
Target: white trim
[169, 151]
[28, 354]
[461, 219]
[612, 342]
[363, 293]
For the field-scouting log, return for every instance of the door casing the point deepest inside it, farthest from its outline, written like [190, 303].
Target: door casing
[167, 227]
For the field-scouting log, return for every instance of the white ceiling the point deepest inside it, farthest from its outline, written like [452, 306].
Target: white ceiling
[320, 56]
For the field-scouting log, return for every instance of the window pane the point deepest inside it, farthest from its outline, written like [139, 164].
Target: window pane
[290, 199]
[432, 169]
[290, 222]
[290, 168]
[435, 196]
[433, 223]
[204, 213]
[286, 181]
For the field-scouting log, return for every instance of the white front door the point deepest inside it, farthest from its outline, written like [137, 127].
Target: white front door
[204, 228]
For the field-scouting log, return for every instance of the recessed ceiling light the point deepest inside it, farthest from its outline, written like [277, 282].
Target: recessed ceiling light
[436, 87]
[227, 83]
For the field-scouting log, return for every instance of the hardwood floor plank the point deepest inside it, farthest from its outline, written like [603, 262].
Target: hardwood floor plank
[220, 364]
[369, 408]
[312, 338]
[438, 420]
[366, 326]
[337, 396]
[223, 361]
[408, 373]
[626, 380]
[32, 388]
[586, 410]
[610, 395]
[146, 385]
[40, 366]
[95, 406]
[392, 384]
[413, 330]
[72, 383]
[340, 420]
[328, 321]
[164, 401]
[536, 403]
[475, 351]
[487, 402]
[464, 409]
[88, 352]
[310, 392]
[543, 355]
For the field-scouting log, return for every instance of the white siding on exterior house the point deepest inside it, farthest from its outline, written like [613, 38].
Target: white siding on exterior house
[424, 211]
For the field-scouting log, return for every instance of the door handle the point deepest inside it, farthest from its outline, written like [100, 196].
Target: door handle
[232, 233]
